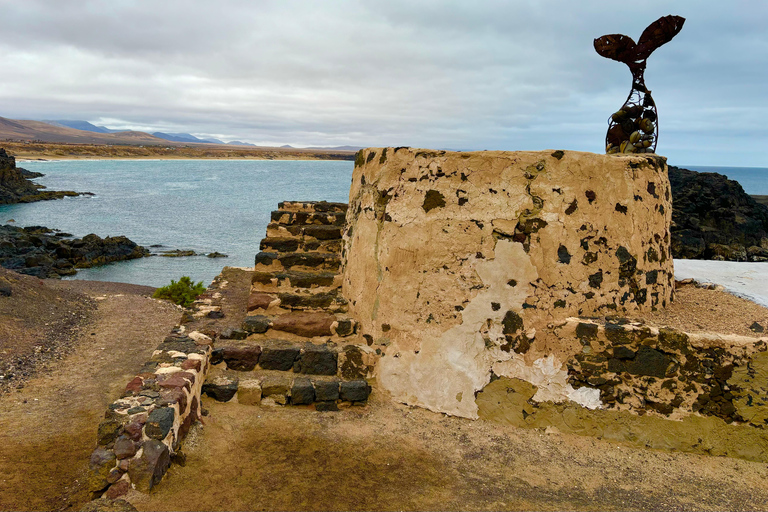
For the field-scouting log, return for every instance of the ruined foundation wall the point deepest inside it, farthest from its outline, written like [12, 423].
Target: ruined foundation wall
[456, 263]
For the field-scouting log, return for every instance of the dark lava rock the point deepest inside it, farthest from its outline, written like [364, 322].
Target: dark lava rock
[756, 327]
[280, 356]
[326, 406]
[257, 324]
[318, 360]
[233, 334]
[714, 219]
[160, 422]
[40, 252]
[649, 362]
[302, 392]
[354, 391]
[221, 388]
[15, 186]
[326, 391]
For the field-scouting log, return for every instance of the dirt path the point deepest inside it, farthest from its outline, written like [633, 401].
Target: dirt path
[392, 457]
[48, 428]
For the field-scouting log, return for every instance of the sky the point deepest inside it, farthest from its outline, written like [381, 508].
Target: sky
[496, 75]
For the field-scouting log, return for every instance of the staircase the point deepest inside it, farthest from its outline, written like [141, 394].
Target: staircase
[296, 346]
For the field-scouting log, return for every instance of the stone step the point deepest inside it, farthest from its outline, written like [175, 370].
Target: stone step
[316, 232]
[277, 388]
[328, 301]
[312, 206]
[301, 323]
[298, 244]
[295, 279]
[294, 218]
[266, 261]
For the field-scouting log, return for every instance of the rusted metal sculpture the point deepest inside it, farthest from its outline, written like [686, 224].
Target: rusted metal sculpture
[635, 128]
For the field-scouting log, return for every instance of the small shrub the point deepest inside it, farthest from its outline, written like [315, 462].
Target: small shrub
[182, 293]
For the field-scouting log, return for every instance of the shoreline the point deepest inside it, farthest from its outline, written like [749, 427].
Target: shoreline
[46, 151]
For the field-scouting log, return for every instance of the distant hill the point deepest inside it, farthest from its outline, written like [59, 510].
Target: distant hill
[238, 143]
[25, 130]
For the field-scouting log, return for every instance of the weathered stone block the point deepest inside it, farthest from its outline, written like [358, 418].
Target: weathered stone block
[221, 387]
[233, 334]
[318, 360]
[278, 356]
[243, 358]
[108, 432]
[101, 463]
[302, 392]
[275, 386]
[124, 448]
[256, 324]
[147, 471]
[354, 391]
[304, 323]
[118, 489]
[260, 301]
[249, 392]
[352, 365]
[326, 391]
[326, 406]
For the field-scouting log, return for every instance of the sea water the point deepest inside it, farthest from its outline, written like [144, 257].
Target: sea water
[202, 205]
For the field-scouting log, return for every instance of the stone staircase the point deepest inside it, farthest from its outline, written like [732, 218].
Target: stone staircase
[296, 345]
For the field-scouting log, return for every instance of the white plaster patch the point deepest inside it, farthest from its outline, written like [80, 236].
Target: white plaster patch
[551, 379]
[445, 374]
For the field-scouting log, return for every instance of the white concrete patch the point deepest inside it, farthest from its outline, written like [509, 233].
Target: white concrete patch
[743, 279]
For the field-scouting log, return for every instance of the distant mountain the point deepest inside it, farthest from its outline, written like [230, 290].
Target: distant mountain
[238, 143]
[287, 146]
[25, 130]
[81, 125]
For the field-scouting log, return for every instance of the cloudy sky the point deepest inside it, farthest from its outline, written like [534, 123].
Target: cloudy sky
[516, 74]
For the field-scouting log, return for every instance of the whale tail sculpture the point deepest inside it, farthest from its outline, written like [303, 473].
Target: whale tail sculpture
[634, 128]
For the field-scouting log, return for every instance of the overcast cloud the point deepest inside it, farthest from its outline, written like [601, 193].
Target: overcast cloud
[464, 75]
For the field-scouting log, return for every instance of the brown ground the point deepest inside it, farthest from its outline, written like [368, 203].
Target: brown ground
[384, 456]
[48, 427]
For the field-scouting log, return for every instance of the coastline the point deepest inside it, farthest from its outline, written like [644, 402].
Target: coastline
[46, 151]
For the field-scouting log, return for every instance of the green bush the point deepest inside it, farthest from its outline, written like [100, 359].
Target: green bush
[182, 293]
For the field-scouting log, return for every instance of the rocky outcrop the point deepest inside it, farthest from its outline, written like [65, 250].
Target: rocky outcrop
[714, 219]
[41, 252]
[15, 186]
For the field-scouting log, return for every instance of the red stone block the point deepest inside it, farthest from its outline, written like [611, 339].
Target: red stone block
[134, 386]
[191, 364]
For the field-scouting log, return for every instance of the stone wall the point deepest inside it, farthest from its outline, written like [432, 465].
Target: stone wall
[144, 428]
[456, 263]
[714, 387]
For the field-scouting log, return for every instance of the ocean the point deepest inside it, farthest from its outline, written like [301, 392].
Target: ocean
[203, 205]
